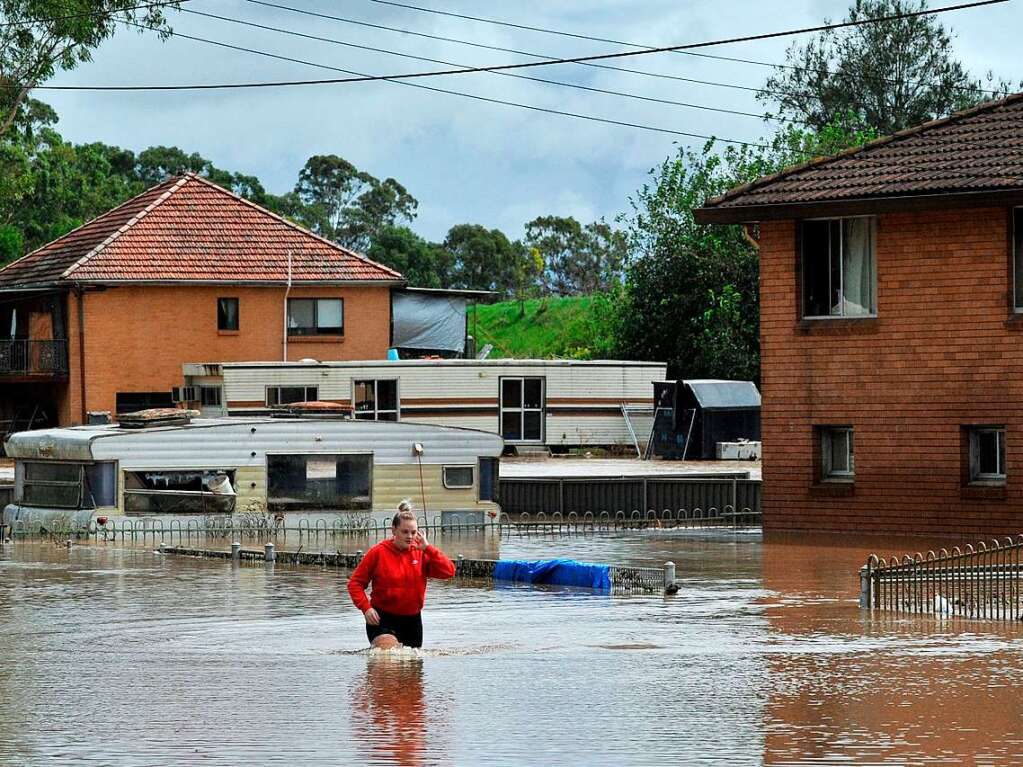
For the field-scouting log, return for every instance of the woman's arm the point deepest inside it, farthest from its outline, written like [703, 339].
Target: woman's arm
[360, 580]
[437, 564]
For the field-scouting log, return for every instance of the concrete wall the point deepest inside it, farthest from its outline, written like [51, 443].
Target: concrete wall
[945, 351]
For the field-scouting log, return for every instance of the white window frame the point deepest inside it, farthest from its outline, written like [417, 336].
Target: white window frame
[841, 267]
[362, 415]
[1017, 289]
[828, 472]
[976, 475]
[451, 486]
[522, 410]
[314, 388]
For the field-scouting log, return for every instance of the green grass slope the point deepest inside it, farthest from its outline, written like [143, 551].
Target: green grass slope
[568, 327]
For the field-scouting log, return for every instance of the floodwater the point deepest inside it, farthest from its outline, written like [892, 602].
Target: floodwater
[110, 655]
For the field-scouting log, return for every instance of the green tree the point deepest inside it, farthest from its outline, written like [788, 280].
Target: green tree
[11, 243]
[579, 259]
[885, 76]
[40, 37]
[484, 259]
[423, 264]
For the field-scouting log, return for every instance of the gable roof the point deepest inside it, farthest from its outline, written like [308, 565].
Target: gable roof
[970, 156]
[189, 230]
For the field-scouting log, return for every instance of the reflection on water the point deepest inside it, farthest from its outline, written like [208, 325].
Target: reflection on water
[120, 656]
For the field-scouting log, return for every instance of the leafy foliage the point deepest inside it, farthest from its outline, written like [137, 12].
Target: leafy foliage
[579, 259]
[882, 77]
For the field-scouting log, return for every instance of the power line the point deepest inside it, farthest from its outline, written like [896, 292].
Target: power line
[89, 14]
[561, 83]
[593, 38]
[535, 64]
[483, 46]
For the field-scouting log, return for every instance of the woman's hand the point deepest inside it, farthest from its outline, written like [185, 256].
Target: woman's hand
[372, 617]
[419, 541]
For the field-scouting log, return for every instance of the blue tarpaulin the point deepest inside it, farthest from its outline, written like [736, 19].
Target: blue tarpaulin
[563, 572]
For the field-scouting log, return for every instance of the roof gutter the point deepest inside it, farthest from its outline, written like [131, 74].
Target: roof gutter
[858, 206]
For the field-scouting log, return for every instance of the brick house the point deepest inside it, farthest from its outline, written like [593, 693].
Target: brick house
[104, 317]
[891, 289]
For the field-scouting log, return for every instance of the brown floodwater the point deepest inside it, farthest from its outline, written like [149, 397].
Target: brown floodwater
[114, 655]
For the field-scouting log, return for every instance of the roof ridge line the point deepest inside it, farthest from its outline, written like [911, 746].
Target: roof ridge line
[123, 228]
[300, 229]
[849, 151]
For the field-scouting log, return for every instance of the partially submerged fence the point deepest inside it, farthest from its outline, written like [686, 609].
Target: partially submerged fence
[984, 582]
[623, 579]
[566, 495]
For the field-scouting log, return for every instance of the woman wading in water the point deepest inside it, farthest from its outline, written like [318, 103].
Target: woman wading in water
[397, 569]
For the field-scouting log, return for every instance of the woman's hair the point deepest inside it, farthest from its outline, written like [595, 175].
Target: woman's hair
[404, 512]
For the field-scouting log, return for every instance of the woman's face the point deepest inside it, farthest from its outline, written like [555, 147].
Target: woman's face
[405, 533]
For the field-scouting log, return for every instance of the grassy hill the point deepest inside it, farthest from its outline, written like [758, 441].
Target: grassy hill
[572, 326]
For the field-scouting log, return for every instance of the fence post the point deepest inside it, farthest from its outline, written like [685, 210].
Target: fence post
[865, 588]
[236, 550]
[561, 496]
[669, 574]
[269, 552]
[460, 564]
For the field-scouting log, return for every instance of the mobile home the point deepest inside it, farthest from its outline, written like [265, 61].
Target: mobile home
[356, 471]
[554, 403]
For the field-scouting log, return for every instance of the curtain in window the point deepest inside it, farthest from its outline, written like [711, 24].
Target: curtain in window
[858, 266]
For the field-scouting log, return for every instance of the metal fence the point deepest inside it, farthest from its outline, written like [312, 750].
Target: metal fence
[578, 495]
[22, 357]
[982, 582]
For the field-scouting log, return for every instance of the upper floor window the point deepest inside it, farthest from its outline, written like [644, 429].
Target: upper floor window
[227, 314]
[1017, 257]
[316, 317]
[838, 266]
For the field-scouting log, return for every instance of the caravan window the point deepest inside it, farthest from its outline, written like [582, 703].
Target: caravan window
[191, 491]
[458, 477]
[66, 485]
[285, 395]
[522, 406]
[376, 400]
[321, 482]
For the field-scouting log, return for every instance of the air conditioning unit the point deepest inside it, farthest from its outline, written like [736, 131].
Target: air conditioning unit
[185, 394]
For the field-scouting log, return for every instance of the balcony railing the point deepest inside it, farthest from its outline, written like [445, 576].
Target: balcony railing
[33, 358]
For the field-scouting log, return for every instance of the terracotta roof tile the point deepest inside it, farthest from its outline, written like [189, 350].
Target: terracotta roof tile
[980, 149]
[188, 229]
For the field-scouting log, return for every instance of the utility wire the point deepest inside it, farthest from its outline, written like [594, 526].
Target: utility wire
[593, 38]
[483, 46]
[561, 83]
[535, 64]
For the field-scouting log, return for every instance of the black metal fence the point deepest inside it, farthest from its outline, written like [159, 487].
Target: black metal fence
[579, 495]
[984, 582]
[22, 357]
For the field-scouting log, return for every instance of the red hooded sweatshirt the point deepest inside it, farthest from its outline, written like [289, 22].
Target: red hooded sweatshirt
[398, 577]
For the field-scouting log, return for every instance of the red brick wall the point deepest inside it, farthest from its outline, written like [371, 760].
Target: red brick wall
[942, 353]
[137, 338]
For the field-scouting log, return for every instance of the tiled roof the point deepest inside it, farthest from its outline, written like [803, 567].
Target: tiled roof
[190, 230]
[977, 150]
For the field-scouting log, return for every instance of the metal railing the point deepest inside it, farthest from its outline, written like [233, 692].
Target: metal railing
[983, 582]
[22, 357]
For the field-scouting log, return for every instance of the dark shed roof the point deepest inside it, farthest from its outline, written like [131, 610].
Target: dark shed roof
[720, 395]
[971, 156]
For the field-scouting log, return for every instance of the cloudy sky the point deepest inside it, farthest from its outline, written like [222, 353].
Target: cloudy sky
[463, 159]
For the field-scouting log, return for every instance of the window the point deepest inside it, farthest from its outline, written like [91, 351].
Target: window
[376, 400]
[192, 491]
[130, 402]
[211, 396]
[320, 482]
[1017, 257]
[987, 454]
[839, 274]
[285, 395]
[488, 479]
[522, 403]
[227, 314]
[66, 485]
[837, 461]
[316, 317]
[458, 477]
